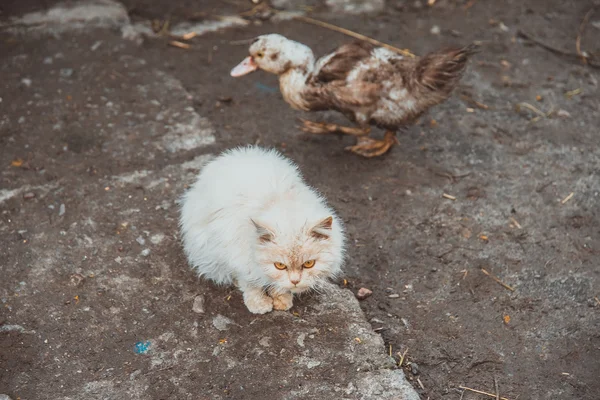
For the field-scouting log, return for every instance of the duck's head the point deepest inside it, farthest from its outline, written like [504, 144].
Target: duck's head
[275, 54]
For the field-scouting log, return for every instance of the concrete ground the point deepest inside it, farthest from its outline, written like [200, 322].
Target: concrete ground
[103, 124]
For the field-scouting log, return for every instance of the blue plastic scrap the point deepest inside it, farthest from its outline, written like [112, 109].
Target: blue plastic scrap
[142, 347]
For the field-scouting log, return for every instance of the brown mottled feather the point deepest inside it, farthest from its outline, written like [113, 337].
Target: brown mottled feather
[343, 61]
[441, 70]
[368, 97]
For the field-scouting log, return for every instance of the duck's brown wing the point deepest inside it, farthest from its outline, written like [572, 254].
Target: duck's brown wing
[337, 65]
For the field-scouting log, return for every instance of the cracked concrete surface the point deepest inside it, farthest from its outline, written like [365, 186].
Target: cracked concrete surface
[97, 300]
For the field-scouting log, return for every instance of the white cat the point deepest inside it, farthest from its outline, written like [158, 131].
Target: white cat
[251, 220]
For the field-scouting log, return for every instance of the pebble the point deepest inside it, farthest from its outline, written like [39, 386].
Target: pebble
[29, 195]
[363, 293]
[26, 81]
[145, 252]
[61, 210]
[563, 114]
[4, 397]
[220, 322]
[66, 72]
[435, 30]
[141, 240]
[198, 306]
[394, 296]
[76, 279]
[414, 368]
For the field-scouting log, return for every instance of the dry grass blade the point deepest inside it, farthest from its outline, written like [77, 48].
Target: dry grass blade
[569, 197]
[448, 196]
[571, 56]
[580, 33]
[401, 361]
[515, 222]
[497, 390]
[189, 35]
[353, 34]
[532, 108]
[181, 45]
[420, 383]
[480, 392]
[498, 281]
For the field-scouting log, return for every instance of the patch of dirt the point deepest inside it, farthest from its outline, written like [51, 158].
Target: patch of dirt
[508, 173]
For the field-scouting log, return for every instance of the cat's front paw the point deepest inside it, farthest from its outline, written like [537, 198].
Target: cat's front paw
[258, 304]
[283, 302]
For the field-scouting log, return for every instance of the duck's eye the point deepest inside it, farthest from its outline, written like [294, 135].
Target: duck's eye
[260, 54]
[280, 266]
[309, 264]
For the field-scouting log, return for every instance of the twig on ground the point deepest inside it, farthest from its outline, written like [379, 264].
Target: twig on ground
[448, 196]
[571, 56]
[353, 34]
[569, 197]
[497, 390]
[580, 33]
[181, 45]
[267, 9]
[402, 357]
[420, 383]
[498, 281]
[481, 392]
[469, 100]
[516, 223]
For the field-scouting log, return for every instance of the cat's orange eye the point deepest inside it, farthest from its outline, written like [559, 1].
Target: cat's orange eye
[280, 266]
[309, 264]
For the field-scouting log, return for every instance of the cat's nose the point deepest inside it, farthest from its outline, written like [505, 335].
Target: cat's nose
[295, 281]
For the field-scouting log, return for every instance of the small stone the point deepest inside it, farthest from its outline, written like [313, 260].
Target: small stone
[435, 30]
[198, 306]
[141, 240]
[4, 397]
[145, 252]
[66, 72]
[363, 293]
[76, 279]
[414, 368]
[26, 81]
[21, 120]
[220, 322]
[394, 296]
[29, 195]
[389, 290]
[61, 210]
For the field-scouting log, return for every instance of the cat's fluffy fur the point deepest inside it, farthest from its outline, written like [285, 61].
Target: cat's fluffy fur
[250, 209]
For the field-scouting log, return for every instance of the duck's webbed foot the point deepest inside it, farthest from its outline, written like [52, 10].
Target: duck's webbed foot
[321, 128]
[369, 147]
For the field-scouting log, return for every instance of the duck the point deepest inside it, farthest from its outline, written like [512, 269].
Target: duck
[371, 86]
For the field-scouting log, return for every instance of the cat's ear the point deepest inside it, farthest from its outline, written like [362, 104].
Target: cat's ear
[322, 230]
[264, 234]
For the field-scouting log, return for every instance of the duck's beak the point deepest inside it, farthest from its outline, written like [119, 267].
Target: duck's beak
[245, 67]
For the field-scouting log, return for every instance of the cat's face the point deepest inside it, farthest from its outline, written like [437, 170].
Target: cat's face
[300, 261]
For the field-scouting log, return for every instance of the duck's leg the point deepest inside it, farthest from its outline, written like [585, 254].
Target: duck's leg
[321, 128]
[369, 147]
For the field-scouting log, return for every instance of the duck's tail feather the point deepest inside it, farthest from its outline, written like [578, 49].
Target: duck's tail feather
[440, 71]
